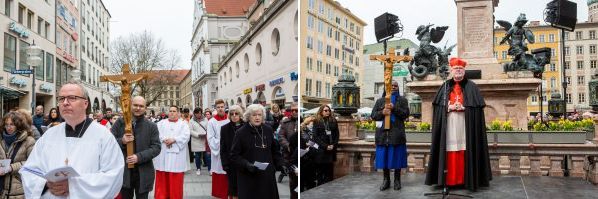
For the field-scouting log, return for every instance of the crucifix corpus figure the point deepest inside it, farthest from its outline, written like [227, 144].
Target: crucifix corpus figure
[125, 80]
[389, 59]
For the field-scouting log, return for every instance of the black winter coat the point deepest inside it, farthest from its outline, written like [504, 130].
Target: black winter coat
[319, 135]
[396, 135]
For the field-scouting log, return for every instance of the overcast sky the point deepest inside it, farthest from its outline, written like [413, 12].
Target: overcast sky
[171, 21]
[444, 13]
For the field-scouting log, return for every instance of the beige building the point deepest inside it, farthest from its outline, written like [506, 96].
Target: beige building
[171, 92]
[331, 44]
[186, 92]
[23, 23]
[263, 65]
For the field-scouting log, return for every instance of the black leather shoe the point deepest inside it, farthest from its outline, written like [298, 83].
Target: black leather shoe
[397, 184]
[386, 181]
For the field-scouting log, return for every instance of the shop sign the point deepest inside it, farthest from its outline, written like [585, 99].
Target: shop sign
[294, 76]
[279, 93]
[68, 57]
[277, 81]
[46, 87]
[21, 31]
[260, 87]
[17, 81]
[247, 91]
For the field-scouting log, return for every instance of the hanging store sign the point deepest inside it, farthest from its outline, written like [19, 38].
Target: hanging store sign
[21, 31]
[277, 81]
[247, 91]
[46, 87]
[294, 76]
[260, 87]
[18, 81]
[68, 57]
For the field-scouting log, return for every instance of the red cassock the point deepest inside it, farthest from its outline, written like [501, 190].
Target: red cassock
[169, 185]
[455, 162]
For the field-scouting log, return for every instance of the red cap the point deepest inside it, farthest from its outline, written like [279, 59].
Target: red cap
[457, 62]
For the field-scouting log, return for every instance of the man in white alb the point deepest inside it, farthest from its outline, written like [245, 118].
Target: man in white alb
[173, 160]
[80, 143]
[219, 180]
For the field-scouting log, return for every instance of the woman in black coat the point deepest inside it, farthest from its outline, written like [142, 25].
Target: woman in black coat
[254, 144]
[325, 134]
[227, 133]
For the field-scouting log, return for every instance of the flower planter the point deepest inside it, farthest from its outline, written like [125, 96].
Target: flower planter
[559, 137]
[516, 137]
[419, 136]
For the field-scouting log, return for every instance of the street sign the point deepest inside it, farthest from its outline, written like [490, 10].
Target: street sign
[400, 73]
[22, 72]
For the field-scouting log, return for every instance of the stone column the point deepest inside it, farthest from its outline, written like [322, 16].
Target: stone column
[525, 165]
[535, 166]
[366, 164]
[577, 162]
[341, 165]
[595, 129]
[347, 129]
[494, 165]
[514, 161]
[419, 162]
[556, 168]
[503, 165]
[593, 173]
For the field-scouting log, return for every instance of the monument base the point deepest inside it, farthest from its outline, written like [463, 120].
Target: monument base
[506, 99]
[347, 129]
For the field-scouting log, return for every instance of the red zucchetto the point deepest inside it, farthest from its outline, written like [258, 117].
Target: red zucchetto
[457, 62]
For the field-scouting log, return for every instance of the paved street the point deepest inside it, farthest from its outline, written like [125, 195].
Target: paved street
[197, 187]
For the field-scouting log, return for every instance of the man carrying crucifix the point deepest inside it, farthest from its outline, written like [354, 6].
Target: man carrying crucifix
[459, 151]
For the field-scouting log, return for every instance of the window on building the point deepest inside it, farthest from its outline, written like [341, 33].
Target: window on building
[495, 54]
[592, 63]
[21, 13]
[49, 67]
[534, 99]
[336, 71]
[551, 38]
[320, 26]
[310, 64]
[30, 20]
[552, 67]
[541, 38]
[319, 66]
[328, 69]
[327, 90]
[569, 100]
[578, 35]
[320, 47]
[337, 35]
[310, 22]
[593, 49]
[567, 36]
[330, 32]
[310, 42]
[83, 70]
[10, 52]
[592, 34]
[328, 50]
[581, 97]
[579, 50]
[581, 80]
[568, 80]
[23, 55]
[322, 8]
[504, 55]
[579, 64]
[552, 82]
[336, 52]
[567, 65]
[553, 53]
[7, 7]
[40, 24]
[378, 86]
[566, 52]
[318, 89]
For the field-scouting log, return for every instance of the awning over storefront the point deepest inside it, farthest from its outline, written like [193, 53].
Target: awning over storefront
[7, 93]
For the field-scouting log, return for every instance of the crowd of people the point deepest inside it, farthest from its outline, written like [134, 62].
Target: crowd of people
[242, 148]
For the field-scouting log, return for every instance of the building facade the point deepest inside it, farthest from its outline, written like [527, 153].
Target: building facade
[25, 23]
[169, 89]
[94, 42]
[263, 65]
[186, 92]
[373, 72]
[545, 36]
[217, 26]
[331, 44]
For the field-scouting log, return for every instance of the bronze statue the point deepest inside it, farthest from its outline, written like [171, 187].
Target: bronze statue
[429, 58]
[516, 36]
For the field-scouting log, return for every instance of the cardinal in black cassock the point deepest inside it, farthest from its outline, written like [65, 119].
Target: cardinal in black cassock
[459, 143]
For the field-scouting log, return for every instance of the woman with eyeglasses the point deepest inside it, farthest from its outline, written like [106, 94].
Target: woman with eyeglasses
[325, 134]
[16, 144]
[227, 133]
[256, 156]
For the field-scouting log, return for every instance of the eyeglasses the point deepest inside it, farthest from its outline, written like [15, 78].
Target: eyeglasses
[234, 113]
[70, 98]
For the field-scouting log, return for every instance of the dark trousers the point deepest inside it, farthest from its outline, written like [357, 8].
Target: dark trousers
[198, 156]
[308, 175]
[325, 172]
[293, 182]
[128, 193]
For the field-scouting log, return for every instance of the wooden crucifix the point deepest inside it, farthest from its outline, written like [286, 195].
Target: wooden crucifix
[125, 80]
[389, 59]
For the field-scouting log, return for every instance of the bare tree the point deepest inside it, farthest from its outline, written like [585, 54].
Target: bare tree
[145, 53]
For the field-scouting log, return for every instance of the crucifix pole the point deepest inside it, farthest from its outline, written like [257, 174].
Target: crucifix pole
[125, 80]
[389, 59]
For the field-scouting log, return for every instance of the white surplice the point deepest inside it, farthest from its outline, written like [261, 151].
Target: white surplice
[214, 127]
[96, 156]
[175, 158]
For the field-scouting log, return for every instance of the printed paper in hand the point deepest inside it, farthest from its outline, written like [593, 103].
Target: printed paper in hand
[303, 151]
[261, 165]
[4, 164]
[55, 175]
